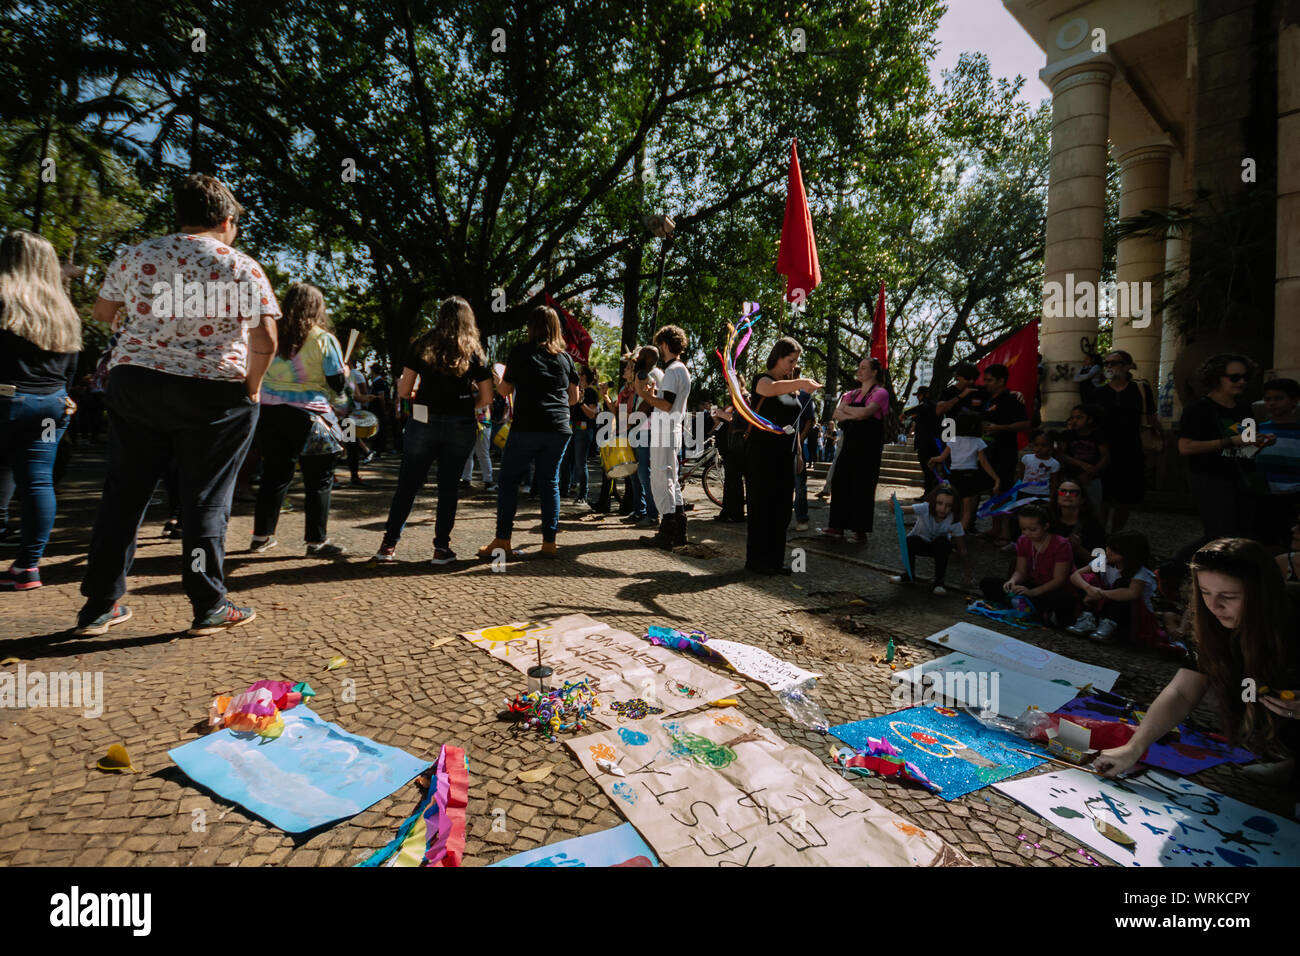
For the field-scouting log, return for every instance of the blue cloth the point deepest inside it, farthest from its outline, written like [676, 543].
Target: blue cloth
[545, 450]
[31, 427]
[447, 439]
[618, 846]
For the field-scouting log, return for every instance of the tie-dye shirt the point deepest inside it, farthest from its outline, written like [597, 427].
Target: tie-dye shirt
[302, 381]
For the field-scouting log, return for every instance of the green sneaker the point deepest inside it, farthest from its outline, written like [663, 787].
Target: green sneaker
[101, 624]
[222, 620]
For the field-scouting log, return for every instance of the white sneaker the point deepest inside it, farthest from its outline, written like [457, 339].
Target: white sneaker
[900, 579]
[801, 526]
[940, 590]
[259, 545]
[1104, 630]
[1086, 624]
[852, 537]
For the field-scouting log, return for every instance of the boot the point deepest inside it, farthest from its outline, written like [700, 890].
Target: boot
[663, 537]
[678, 532]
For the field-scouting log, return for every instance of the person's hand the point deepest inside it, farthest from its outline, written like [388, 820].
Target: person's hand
[997, 487]
[809, 385]
[1093, 592]
[69, 406]
[255, 395]
[1113, 762]
[1265, 439]
[1283, 708]
[1009, 586]
[932, 462]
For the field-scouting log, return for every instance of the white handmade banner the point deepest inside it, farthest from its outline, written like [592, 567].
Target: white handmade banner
[981, 684]
[632, 678]
[767, 669]
[1158, 820]
[1011, 654]
[717, 789]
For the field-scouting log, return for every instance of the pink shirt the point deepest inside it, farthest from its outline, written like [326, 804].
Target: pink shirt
[1042, 563]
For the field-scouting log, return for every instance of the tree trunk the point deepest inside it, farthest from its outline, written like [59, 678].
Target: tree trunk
[632, 264]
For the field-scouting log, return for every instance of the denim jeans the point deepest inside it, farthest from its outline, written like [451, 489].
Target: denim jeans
[282, 431]
[642, 453]
[204, 427]
[581, 445]
[523, 448]
[448, 440]
[479, 450]
[30, 429]
[801, 494]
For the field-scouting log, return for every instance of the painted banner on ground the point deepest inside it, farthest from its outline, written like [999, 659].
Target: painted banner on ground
[617, 846]
[718, 789]
[954, 750]
[1158, 820]
[632, 678]
[314, 773]
[769, 670]
[1021, 656]
[969, 681]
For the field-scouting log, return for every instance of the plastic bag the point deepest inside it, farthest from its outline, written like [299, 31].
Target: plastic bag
[799, 704]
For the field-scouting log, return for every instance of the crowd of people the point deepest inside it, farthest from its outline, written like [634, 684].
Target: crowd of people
[189, 392]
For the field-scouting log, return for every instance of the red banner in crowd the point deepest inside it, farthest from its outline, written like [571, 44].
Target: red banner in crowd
[576, 338]
[1020, 355]
[879, 347]
[796, 258]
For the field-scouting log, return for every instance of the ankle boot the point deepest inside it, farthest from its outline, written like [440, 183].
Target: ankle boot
[678, 531]
[662, 537]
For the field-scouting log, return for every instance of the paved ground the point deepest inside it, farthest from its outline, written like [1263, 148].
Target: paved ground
[158, 683]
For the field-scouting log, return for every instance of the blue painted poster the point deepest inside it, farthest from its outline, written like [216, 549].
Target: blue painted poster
[314, 773]
[952, 748]
[618, 846]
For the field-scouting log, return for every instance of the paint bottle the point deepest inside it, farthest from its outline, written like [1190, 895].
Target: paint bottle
[889, 651]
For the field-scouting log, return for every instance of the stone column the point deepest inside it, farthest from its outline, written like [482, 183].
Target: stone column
[1140, 260]
[1171, 340]
[1286, 302]
[1076, 212]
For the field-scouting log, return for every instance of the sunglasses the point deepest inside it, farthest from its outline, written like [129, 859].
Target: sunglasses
[1236, 377]
[1066, 492]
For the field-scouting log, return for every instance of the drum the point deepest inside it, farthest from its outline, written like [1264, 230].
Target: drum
[364, 423]
[502, 434]
[618, 459]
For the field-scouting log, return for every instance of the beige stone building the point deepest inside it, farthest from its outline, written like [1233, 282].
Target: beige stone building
[1198, 102]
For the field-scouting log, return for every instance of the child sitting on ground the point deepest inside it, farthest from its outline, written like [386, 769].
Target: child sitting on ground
[1119, 593]
[1042, 572]
[966, 459]
[1039, 466]
[936, 532]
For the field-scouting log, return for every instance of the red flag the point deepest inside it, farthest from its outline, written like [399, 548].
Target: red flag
[879, 348]
[577, 339]
[797, 257]
[1020, 355]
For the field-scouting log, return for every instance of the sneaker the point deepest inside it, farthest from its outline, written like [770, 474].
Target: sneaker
[1086, 624]
[369, 458]
[172, 529]
[831, 533]
[326, 549]
[100, 625]
[1008, 548]
[645, 521]
[900, 579]
[464, 485]
[387, 552]
[222, 619]
[443, 556]
[259, 545]
[634, 518]
[490, 486]
[939, 590]
[852, 537]
[801, 526]
[20, 579]
[1104, 630]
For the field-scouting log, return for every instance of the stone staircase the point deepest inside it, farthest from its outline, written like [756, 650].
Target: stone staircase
[898, 466]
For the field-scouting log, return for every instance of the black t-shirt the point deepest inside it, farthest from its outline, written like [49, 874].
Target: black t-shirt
[974, 402]
[1005, 409]
[33, 370]
[541, 382]
[580, 419]
[1122, 422]
[1206, 420]
[780, 410]
[1086, 448]
[447, 394]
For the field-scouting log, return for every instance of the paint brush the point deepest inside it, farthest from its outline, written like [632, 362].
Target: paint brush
[1063, 763]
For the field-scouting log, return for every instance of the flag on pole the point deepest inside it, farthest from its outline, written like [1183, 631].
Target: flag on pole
[879, 347]
[797, 257]
[1020, 355]
[577, 339]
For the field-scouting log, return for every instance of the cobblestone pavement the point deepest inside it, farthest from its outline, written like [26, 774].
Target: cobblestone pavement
[56, 810]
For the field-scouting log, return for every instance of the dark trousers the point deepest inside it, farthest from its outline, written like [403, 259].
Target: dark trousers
[446, 439]
[282, 430]
[769, 475]
[939, 549]
[206, 428]
[733, 484]
[1061, 604]
[927, 448]
[853, 488]
[544, 450]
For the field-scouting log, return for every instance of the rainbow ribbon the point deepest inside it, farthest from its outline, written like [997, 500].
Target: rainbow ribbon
[728, 359]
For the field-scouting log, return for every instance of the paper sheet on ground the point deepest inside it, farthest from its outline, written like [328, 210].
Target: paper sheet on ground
[953, 749]
[618, 846]
[1011, 654]
[314, 773]
[621, 667]
[770, 671]
[1158, 820]
[974, 682]
[717, 789]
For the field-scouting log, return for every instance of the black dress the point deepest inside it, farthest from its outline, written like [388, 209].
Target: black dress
[853, 486]
[1124, 480]
[769, 480]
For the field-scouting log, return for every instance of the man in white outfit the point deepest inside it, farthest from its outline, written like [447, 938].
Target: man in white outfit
[668, 404]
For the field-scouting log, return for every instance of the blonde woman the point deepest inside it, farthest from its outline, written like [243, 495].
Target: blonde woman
[541, 376]
[297, 423]
[447, 379]
[40, 338]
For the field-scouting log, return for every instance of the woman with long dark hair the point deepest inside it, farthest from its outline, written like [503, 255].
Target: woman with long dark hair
[40, 338]
[454, 381]
[861, 414]
[541, 376]
[297, 423]
[1244, 627]
[769, 459]
[1075, 520]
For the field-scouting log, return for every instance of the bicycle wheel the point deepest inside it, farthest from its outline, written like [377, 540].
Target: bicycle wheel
[714, 480]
